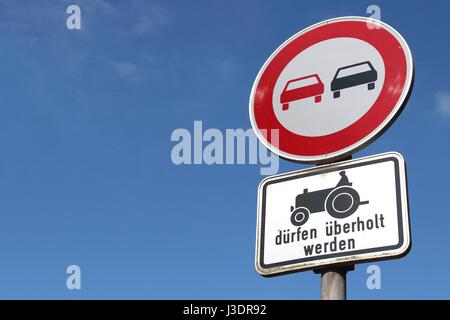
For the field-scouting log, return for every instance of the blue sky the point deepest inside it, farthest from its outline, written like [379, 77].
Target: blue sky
[86, 176]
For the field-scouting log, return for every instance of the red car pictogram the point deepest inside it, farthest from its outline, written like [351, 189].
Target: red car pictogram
[301, 88]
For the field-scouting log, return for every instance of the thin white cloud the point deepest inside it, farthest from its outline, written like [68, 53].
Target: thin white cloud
[43, 24]
[126, 70]
[100, 6]
[154, 18]
[31, 20]
[443, 104]
[227, 69]
[45, 19]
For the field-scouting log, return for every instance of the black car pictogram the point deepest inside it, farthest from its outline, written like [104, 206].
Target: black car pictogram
[340, 202]
[352, 76]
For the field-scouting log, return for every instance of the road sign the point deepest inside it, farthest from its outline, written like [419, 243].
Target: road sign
[342, 213]
[331, 89]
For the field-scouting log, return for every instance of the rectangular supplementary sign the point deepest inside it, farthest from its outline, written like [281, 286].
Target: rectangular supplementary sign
[342, 213]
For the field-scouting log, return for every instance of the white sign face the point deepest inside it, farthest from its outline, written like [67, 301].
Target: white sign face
[309, 118]
[334, 214]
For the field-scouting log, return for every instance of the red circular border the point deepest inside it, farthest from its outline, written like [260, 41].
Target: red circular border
[395, 79]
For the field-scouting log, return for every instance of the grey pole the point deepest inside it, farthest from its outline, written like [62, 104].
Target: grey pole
[334, 283]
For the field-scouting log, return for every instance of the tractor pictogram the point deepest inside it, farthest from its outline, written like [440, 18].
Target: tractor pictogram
[340, 202]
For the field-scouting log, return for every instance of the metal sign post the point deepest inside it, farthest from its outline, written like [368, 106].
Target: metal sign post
[334, 283]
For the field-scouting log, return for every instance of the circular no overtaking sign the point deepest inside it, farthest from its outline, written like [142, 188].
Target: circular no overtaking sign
[331, 89]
